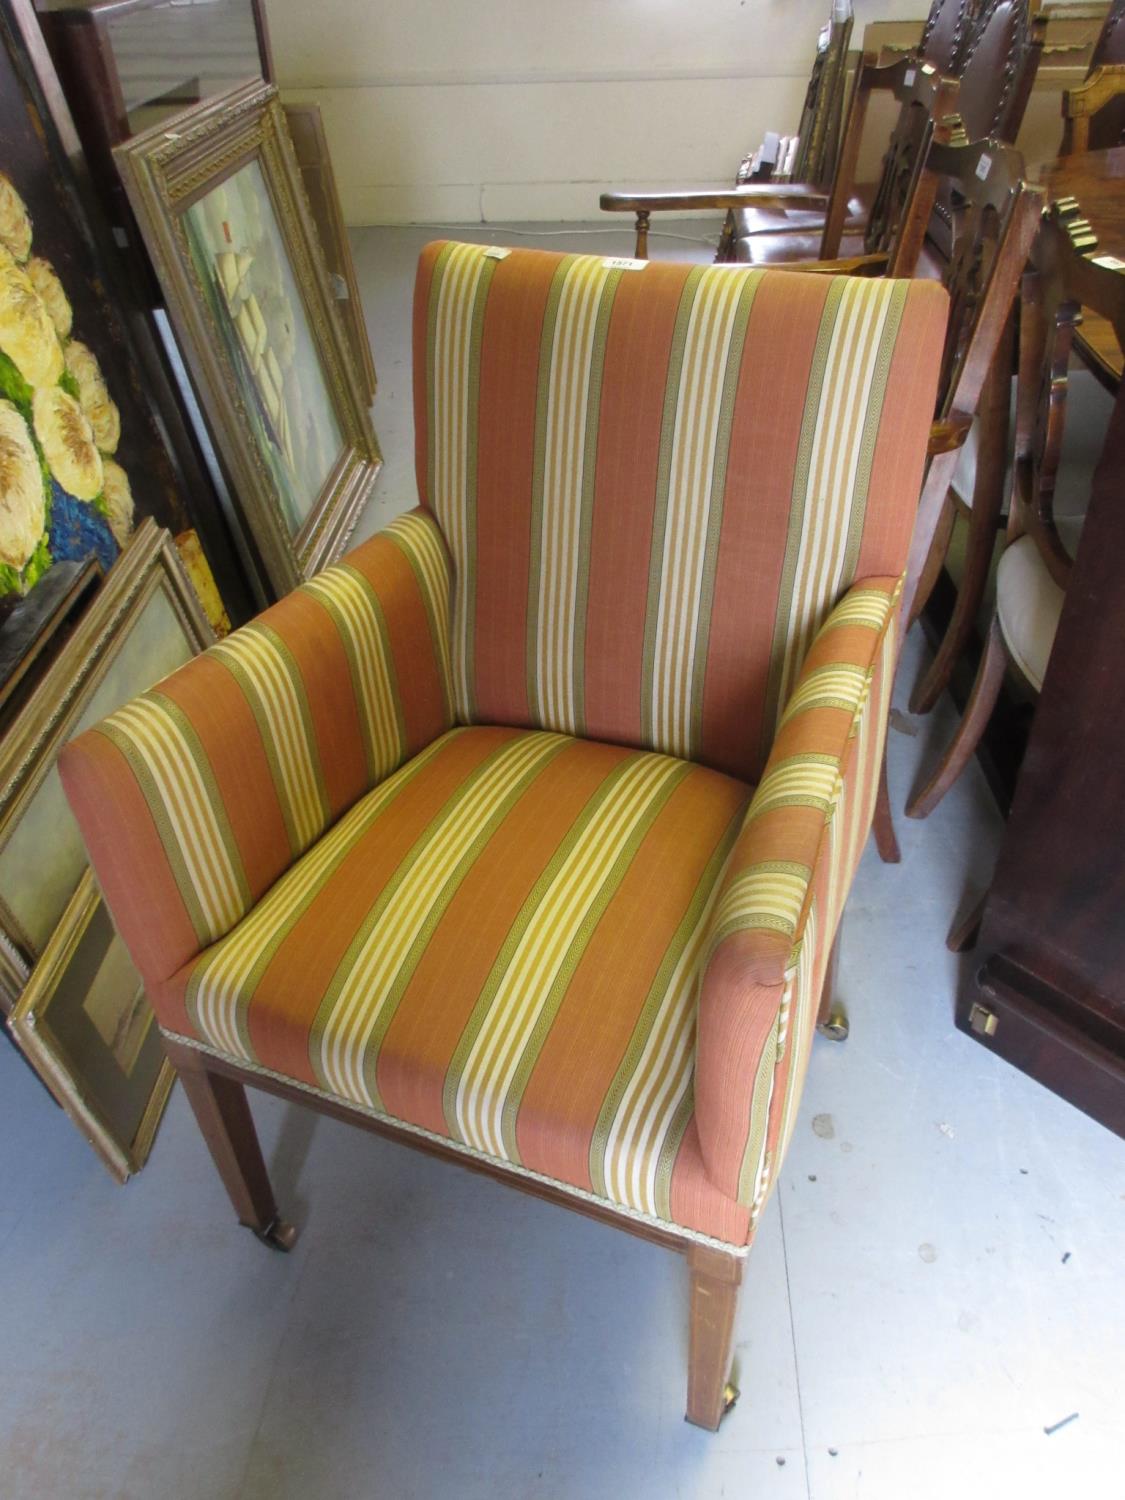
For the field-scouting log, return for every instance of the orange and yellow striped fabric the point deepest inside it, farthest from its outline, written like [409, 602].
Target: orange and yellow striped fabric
[227, 771]
[656, 482]
[501, 944]
[783, 892]
[529, 825]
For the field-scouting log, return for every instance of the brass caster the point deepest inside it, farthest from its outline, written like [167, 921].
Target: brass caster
[731, 1394]
[835, 1028]
[278, 1236]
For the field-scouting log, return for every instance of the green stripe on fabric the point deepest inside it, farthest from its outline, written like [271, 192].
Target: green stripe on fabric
[872, 419]
[421, 543]
[669, 1150]
[606, 794]
[758, 1127]
[798, 504]
[535, 1038]
[660, 505]
[379, 702]
[589, 478]
[230, 654]
[384, 1004]
[468, 578]
[436, 279]
[538, 471]
[688, 927]
[710, 566]
[235, 967]
[161, 813]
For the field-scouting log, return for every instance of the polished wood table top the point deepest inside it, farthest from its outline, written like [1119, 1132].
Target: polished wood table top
[1096, 179]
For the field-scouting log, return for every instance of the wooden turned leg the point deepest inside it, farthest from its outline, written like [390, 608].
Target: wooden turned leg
[935, 559]
[715, 1279]
[978, 710]
[223, 1115]
[640, 251]
[831, 1017]
[882, 823]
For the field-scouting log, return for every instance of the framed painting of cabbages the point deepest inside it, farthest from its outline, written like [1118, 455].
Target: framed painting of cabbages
[217, 194]
[81, 459]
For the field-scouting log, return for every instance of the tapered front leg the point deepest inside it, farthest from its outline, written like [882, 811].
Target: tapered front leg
[715, 1279]
[223, 1114]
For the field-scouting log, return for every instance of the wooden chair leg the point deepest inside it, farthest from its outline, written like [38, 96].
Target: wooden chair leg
[882, 823]
[984, 519]
[935, 559]
[978, 710]
[715, 1279]
[831, 1017]
[223, 1114]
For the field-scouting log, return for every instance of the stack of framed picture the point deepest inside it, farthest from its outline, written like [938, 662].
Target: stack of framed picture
[74, 1002]
[218, 196]
[226, 205]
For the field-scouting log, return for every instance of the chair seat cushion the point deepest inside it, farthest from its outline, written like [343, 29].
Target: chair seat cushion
[499, 945]
[1028, 603]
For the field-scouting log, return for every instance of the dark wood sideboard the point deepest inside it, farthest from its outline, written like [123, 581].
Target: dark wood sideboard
[1046, 987]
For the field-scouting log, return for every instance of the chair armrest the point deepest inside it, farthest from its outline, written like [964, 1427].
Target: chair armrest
[751, 195]
[781, 895]
[874, 264]
[195, 797]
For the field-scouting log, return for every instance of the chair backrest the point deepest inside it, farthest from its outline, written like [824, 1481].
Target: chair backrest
[1067, 275]
[818, 133]
[998, 214]
[927, 101]
[655, 481]
[1001, 61]
[1002, 48]
[946, 35]
[1094, 112]
[1110, 45]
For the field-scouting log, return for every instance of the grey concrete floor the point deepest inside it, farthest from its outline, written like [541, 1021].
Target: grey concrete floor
[937, 1278]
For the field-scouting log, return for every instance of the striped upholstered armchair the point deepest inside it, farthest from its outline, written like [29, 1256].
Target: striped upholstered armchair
[522, 835]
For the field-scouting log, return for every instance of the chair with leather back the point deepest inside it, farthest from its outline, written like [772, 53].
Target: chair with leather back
[522, 835]
[993, 54]
[1094, 111]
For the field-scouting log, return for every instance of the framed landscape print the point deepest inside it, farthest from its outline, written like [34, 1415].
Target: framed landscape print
[217, 193]
[84, 1024]
[81, 456]
[145, 622]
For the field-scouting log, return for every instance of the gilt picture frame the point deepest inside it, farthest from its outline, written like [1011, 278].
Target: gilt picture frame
[85, 1026]
[216, 191]
[145, 622]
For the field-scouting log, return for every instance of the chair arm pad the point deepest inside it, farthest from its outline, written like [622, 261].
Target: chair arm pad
[780, 899]
[752, 195]
[194, 798]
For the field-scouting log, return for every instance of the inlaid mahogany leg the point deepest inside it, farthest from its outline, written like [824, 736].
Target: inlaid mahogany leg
[978, 710]
[223, 1115]
[882, 823]
[831, 1017]
[715, 1279]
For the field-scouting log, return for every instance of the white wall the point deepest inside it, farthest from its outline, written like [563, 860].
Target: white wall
[462, 110]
